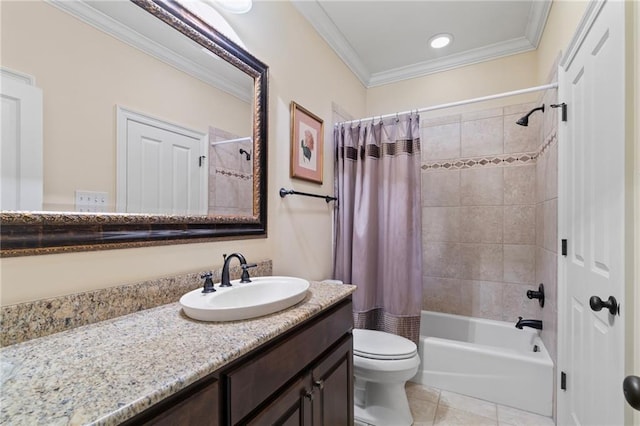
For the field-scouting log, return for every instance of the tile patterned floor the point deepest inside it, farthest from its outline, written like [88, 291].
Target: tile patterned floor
[433, 407]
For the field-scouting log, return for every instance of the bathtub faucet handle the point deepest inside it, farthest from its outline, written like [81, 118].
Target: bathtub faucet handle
[532, 294]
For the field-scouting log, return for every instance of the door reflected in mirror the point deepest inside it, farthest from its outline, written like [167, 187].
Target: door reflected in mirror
[154, 124]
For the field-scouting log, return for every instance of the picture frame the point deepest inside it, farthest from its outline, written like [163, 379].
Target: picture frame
[307, 144]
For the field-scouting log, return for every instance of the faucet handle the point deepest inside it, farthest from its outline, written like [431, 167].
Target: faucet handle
[532, 294]
[208, 282]
[245, 278]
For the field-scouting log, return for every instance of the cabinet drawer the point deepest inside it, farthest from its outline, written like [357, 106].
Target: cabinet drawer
[195, 405]
[255, 380]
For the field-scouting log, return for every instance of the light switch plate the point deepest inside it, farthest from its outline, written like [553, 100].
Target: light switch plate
[91, 201]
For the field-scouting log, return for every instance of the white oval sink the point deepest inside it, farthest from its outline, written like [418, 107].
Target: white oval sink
[262, 296]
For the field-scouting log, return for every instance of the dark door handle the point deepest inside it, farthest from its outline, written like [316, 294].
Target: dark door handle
[631, 389]
[611, 304]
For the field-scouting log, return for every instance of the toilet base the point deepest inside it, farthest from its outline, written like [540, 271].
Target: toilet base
[382, 404]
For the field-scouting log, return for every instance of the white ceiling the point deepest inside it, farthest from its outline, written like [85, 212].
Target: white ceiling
[385, 41]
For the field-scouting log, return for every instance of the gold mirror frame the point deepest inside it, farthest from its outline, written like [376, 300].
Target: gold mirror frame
[36, 233]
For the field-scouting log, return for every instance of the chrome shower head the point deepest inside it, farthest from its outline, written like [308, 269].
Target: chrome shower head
[524, 121]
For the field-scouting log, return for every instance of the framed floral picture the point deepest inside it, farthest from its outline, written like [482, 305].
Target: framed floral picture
[307, 132]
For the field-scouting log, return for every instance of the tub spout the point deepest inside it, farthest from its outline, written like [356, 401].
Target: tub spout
[537, 324]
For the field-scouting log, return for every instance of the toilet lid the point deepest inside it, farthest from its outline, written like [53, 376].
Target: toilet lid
[380, 345]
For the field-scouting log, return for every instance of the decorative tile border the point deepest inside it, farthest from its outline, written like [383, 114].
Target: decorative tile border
[553, 137]
[496, 160]
[29, 320]
[233, 173]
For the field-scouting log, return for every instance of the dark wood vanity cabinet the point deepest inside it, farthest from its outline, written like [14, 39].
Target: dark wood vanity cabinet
[299, 379]
[303, 377]
[320, 396]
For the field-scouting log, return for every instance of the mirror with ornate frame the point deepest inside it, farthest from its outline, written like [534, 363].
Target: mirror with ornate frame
[41, 231]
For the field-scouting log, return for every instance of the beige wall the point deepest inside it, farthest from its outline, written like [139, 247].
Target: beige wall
[486, 78]
[564, 17]
[84, 73]
[302, 68]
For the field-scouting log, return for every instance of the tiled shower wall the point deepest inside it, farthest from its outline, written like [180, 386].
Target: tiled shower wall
[547, 220]
[480, 199]
[230, 175]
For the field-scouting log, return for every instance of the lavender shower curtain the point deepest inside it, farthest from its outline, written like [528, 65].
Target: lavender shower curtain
[379, 222]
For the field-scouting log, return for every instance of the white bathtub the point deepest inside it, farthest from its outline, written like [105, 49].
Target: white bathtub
[490, 360]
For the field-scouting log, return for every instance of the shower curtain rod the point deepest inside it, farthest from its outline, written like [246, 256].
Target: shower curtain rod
[245, 139]
[464, 102]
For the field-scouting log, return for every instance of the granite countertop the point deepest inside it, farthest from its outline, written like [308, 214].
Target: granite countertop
[107, 372]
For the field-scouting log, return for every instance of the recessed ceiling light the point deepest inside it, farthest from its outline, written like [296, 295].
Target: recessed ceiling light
[439, 41]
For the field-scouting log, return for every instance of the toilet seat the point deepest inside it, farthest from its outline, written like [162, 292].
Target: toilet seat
[379, 345]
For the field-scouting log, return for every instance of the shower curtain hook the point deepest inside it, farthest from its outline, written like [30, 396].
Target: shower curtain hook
[397, 119]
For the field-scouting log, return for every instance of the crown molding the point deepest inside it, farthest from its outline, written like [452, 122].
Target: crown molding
[321, 22]
[537, 21]
[474, 56]
[318, 18]
[82, 10]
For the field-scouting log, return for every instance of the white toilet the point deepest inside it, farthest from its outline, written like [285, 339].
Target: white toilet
[382, 363]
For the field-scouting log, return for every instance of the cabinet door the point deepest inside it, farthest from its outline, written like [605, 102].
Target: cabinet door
[291, 408]
[333, 386]
[195, 406]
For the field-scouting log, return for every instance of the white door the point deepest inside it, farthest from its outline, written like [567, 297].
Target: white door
[21, 183]
[160, 168]
[592, 219]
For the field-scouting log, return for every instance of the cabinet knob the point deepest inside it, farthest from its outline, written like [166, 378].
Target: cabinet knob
[319, 384]
[309, 395]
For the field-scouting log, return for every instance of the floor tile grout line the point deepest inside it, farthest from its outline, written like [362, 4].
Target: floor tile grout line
[496, 406]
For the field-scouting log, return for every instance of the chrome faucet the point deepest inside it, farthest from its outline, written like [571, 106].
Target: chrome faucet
[537, 324]
[224, 281]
